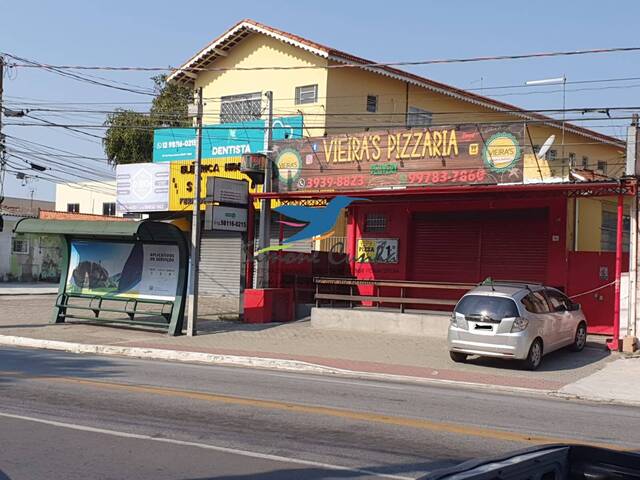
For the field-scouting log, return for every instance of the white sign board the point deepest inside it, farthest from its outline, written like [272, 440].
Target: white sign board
[142, 187]
[225, 218]
[377, 250]
[227, 190]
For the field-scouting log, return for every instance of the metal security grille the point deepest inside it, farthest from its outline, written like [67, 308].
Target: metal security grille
[375, 222]
[372, 103]
[240, 108]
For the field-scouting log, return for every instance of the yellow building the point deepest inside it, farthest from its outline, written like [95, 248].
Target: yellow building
[311, 80]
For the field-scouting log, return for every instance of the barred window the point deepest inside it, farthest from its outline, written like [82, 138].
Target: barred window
[608, 231]
[307, 94]
[19, 245]
[73, 207]
[418, 117]
[602, 167]
[240, 108]
[585, 162]
[372, 103]
[375, 222]
[109, 208]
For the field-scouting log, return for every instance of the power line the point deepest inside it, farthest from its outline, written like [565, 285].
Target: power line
[31, 64]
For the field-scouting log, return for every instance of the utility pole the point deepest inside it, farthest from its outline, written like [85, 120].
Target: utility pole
[265, 204]
[2, 161]
[630, 340]
[194, 258]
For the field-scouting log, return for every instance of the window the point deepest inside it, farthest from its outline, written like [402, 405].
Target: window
[109, 208]
[551, 155]
[572, 159]
[375, 222]
[20, 245]
[585, 162]
[602, 167]
[372, 103]
[495, 308]
[73, 207]
[558, 302]
[240, 108]
[418, 117]
[535, 303]
[608, 231]
[307, 94]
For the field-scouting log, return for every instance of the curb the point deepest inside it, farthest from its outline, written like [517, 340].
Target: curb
[254, 362]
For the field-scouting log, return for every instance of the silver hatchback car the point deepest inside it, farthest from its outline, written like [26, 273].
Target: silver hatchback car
[520, 321]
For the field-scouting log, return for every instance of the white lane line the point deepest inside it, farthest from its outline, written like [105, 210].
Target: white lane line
[234, 451]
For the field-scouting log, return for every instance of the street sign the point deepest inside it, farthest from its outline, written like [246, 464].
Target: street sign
[230, 219]
[226, 190]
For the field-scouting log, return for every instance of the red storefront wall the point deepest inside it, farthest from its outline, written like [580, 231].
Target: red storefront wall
[401, 218]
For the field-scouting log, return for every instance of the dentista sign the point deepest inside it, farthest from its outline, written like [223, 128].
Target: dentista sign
[402, 158]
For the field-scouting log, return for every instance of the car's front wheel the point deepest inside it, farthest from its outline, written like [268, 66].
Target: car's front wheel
[580, 339]
[458, 357]
[534, 357]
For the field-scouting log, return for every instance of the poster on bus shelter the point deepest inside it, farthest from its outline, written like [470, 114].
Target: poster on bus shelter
[123, 269]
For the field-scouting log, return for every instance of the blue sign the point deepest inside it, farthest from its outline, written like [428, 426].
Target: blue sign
[226, 140]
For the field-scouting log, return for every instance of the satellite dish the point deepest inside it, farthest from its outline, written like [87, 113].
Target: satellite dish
[545, 147]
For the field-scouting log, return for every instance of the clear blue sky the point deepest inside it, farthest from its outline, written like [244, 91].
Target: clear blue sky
[159, 33]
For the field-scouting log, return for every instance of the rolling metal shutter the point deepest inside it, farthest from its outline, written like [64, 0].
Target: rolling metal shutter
[220, 263]
[471, 246]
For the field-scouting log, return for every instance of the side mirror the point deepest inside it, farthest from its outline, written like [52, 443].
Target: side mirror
[574, 307]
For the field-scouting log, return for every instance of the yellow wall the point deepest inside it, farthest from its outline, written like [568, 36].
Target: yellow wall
[259, 50]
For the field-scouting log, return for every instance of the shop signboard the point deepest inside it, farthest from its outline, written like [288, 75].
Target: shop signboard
[181, 188]
[377, 250]
[219, 141]
[142, 187]
[226, 190]
[230, 219]
[403, 158]
[123, 269]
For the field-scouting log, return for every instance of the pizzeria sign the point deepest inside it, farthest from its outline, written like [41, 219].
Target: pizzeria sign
[469, 154]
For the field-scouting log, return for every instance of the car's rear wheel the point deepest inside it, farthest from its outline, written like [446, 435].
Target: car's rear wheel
[580, 339]
[458, 357]
[534, 357]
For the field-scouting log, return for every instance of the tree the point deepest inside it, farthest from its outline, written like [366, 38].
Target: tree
[129, 136]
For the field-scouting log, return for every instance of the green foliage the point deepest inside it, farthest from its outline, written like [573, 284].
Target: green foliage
[129, 136]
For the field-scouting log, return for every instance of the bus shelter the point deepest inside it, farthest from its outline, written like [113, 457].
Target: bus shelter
[119, 272]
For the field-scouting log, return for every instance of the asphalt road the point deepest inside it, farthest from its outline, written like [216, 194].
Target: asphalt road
[65, 416]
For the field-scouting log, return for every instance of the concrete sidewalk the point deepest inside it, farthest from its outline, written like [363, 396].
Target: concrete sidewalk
[23, 321]
[23, 288]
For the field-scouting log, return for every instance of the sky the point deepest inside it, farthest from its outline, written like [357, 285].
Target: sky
[166, 33]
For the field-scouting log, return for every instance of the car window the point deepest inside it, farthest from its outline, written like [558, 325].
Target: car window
[558, 301]
[535, 303]
[496, 308]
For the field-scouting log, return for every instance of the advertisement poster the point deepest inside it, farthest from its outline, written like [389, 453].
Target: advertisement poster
[219, 141]
[142, 187]
[128, 270]
[417, 157]
[377, 250]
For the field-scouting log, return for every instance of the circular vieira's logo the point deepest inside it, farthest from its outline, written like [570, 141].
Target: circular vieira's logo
[289, 164]
[501, 152]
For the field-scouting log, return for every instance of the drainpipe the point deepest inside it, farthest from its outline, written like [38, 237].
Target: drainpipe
[614, 344]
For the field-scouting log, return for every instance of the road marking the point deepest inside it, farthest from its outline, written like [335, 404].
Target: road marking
[423, 424]
[235, 451]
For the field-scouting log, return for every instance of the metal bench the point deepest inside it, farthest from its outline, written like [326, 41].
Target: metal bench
[130, 309]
